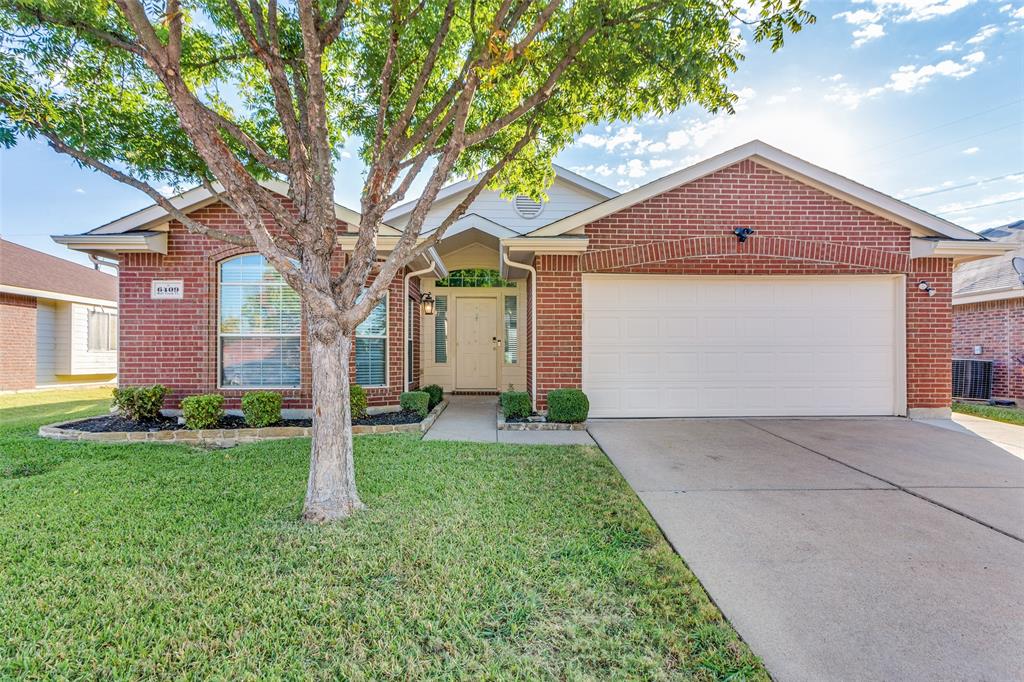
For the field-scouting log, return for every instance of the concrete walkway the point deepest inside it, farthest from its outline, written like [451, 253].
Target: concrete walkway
[474, 418]
[1009, 437]
[844, 549]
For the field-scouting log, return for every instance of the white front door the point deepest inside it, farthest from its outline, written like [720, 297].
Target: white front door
[663, 346]
[476, 350]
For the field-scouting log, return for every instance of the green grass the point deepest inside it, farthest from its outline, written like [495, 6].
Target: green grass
[1010, 415]
[472, 561]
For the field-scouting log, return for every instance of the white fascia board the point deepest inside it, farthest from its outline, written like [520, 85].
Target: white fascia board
[468, 184]
[471, 221]
[56, 296]
[128, 242]
[199, 197]
[961, 251]
[787, 164]
[386, 243]
[1003, 294]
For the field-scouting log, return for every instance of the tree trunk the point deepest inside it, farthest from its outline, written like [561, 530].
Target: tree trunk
[331, 491]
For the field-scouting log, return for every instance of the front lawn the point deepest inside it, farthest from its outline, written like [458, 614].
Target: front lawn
[473, 561]
[1010, 415]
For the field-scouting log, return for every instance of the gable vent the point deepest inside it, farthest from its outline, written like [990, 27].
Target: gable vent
[527, 207]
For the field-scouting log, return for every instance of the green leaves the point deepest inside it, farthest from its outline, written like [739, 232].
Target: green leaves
[77, 70]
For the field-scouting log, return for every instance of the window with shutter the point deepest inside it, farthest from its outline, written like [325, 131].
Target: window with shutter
[511, 330]
[441, 330]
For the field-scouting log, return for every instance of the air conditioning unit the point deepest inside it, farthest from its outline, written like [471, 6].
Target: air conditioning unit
[972, 379]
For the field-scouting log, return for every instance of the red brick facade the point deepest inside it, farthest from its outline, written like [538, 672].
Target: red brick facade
[998, 327]
[800, 230]
[174, 342]
[18, 348]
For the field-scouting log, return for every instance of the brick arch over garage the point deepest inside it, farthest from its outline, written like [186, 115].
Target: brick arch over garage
[760, 253]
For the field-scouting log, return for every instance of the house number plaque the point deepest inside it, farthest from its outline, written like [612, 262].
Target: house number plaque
[167, 289]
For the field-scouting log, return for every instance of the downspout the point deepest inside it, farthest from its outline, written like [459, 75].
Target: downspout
[533, 321]
[97, 261]
[405, 322]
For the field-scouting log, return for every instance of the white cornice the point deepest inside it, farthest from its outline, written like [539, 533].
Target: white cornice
[546, 245]
[1003, 294]
[960, 251]
[125, 242]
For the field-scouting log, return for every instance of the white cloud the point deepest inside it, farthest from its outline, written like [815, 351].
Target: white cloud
[970, 151]
[624, 137]
[79, 190]
[743, 97]
[948, 47]
[776, 99]
[1006, 8]
[983, 34]
[990, 199]
[906, 78]
[656, 148]
[859, 17]
[633, 168]
[1018, 13]
[921, 10]
[661, 163]
[835, 78]
[867, 34]
[796, 88]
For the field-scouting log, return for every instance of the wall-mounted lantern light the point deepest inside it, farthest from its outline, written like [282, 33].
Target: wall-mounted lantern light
[742, 233]
[427, 303]
[924, 286]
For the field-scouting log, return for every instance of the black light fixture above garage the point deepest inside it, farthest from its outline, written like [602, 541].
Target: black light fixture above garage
[742, 233]
[427, 303]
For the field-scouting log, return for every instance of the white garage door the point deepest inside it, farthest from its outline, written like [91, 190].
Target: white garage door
[662, 346]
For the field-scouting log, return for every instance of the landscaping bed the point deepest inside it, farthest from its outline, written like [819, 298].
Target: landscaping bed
[228, 430]
[1008, 415]
[535, 422]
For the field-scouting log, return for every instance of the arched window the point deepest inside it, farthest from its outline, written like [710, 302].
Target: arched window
[259, 324]
[474, 277]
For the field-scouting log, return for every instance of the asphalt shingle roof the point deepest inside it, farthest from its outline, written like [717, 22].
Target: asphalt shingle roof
[991, 274]
[27, 268]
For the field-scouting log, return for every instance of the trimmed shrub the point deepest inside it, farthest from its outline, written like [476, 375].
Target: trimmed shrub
[261, 408]
[357, 401]
[568, 406]
[415, 401]
[516, 404]
[436, 394]
[141, 403]
[202, 411]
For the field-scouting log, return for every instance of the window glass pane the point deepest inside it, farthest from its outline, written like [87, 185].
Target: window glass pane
[259, 361]
[371, 361]
[474, 277]
[411, 307]
[376, 323]
[441, 330]
[511, 330]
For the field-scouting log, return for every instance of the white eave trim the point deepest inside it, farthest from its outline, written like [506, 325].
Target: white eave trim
[467, 184]
[1003, 294]
[960, 251]
[128, 242]
[386, 243]
[200, 196]
[546, 245]
[56, 296]
[832, 183]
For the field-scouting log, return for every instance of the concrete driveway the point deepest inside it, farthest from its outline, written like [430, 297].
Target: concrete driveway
[844, 549]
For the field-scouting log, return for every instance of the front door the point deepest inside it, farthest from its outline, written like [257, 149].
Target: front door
[476, 364]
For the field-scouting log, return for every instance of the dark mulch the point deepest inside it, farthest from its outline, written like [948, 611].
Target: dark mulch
[533, 418]
[117, 423]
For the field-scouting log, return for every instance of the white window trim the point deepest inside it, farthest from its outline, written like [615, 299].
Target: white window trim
[111, 316]
[220, 335]
[433, 330]
[387, 346]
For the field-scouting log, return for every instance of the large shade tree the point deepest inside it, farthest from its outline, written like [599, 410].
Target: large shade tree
[226, 93]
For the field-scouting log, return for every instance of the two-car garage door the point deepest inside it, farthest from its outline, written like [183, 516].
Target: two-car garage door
[663, 346]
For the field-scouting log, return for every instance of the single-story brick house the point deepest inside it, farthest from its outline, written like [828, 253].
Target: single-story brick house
[988, 313]
[58, 321]
[648, 300]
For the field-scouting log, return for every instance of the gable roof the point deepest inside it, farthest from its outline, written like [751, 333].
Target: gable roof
[995, 274]
[198, 197]
[22, 268]
[454, 189]
[919, 222]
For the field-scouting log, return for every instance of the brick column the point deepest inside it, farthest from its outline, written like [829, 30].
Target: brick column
[559, 325]
[929, 338]
[18, 351]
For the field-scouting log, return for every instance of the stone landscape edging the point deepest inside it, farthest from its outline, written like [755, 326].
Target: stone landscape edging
[537, 426]
[223, 437]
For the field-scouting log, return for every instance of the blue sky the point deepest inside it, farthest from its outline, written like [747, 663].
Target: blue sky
[922, 99]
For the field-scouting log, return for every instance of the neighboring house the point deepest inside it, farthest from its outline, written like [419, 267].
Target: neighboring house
[58, 321]
[988, 313]
[647, 300]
